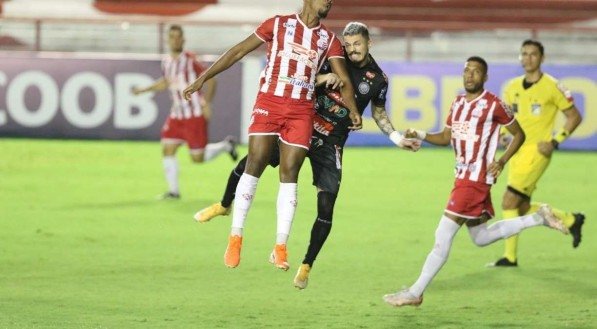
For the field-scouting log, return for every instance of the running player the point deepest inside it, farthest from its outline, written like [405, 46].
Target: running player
[330, 131]
[297, 46]
[472, 128]
[187, 121]
[536, 98]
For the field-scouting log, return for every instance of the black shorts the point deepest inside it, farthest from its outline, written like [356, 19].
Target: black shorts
[326, 164]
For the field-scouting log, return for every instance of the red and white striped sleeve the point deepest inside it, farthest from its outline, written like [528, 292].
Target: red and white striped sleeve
[335, 49]
[265, 31]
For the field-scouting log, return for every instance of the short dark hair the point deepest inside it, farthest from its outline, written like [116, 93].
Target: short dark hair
[355, 28]
[535, 43]
[480, 61]
[176, 27]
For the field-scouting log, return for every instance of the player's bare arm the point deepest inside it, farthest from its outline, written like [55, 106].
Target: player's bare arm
[227, 59]
[441, 138]
[385, 125]
[338, 66]
[518, 137]
[573, 120]
[158, 85]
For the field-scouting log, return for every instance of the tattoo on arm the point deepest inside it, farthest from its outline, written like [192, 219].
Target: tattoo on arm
[381, 118]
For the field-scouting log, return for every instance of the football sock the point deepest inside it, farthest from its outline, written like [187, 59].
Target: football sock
[171, 172]
[511, 243]
[212, 150]
[286, 206]
[566, 217]
[444, 234]
[233, 179]
[322, 226]
[247, 185]
[483, 235]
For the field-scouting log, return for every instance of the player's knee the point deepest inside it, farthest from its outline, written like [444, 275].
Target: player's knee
[325, 205]
[197, 157]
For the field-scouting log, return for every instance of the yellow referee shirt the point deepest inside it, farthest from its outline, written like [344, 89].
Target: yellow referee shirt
[536, 107]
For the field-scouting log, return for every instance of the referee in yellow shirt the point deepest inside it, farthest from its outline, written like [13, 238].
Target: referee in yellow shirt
[536, 98]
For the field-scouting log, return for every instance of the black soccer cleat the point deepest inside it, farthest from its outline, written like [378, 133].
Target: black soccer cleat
[504, 262]
[233, 153]
[169, 196]
[576, 228]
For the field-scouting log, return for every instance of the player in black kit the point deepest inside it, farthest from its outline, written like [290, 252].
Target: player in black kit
[330, 131]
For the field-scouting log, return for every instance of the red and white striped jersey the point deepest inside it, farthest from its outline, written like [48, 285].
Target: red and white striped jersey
[475, 134]
[180, 72]
[295, 53]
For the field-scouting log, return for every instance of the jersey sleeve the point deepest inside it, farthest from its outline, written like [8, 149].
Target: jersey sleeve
[265, 31]
[379, 99]
[335, 49]
[449, 118]
[502, 113]
[562, 97]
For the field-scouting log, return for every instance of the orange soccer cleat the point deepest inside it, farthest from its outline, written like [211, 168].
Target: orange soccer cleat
[232, 254]
[279, 256]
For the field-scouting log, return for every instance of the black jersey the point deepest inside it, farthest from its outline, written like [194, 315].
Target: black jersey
[370, 85]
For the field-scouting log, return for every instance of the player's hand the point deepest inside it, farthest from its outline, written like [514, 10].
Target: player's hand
[332, 81]
[410, 144]
[495, 168]
[414, 133]
[545, 148]
[505, 140]
[190, 89]
[357, 121]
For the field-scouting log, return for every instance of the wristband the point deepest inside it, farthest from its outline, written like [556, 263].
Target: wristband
[561, 135]
[396, 137]
[421, 134]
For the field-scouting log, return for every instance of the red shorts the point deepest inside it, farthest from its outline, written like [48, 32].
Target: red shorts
[470, 199]
[193, 131]
[291, 119]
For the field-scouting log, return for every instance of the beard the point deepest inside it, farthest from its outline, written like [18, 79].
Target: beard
[474, 89]
[323, 13]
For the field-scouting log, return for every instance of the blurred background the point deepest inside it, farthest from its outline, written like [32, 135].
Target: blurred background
[67, 66]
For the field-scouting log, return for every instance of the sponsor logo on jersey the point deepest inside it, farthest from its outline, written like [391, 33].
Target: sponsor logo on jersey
[321, 126]
[370, 75]
[260, 112]
[462, 130]
[322, 44]
[301, 81]
[536, 109]
[364, 87]
[289, 25]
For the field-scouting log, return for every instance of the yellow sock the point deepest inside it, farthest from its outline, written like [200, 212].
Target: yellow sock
[511, 242]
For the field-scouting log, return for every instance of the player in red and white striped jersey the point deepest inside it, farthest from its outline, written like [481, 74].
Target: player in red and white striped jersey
[188, 119]
[472, 128]
[297, 46]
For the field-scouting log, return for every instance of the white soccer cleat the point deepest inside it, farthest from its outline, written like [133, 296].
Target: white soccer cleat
[550, 219]
[403, 298]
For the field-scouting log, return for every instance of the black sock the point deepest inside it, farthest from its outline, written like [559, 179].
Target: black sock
[322, 226]
[233, 182]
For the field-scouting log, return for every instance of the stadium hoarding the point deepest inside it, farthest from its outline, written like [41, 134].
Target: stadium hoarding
[87, 97]
[420, 95]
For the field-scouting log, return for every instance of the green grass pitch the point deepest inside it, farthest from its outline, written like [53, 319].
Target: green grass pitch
[84, 244]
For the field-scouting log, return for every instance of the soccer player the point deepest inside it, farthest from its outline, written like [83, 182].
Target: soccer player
[297, 46]
[472, 127]
[330, 131]
[188, 118]
[536, 98]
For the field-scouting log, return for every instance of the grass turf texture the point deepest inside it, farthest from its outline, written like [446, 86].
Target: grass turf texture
[84, 244]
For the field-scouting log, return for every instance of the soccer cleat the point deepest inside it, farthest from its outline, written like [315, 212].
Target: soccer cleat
[550, 219]
[576, 228]
[168, 196]
[302, 276]
[403, 298]
[232, 255]
[233, 153]
[279, 256]
[206, 214]
[503, 262]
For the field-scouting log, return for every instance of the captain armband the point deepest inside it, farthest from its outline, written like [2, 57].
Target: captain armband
[561, 135]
